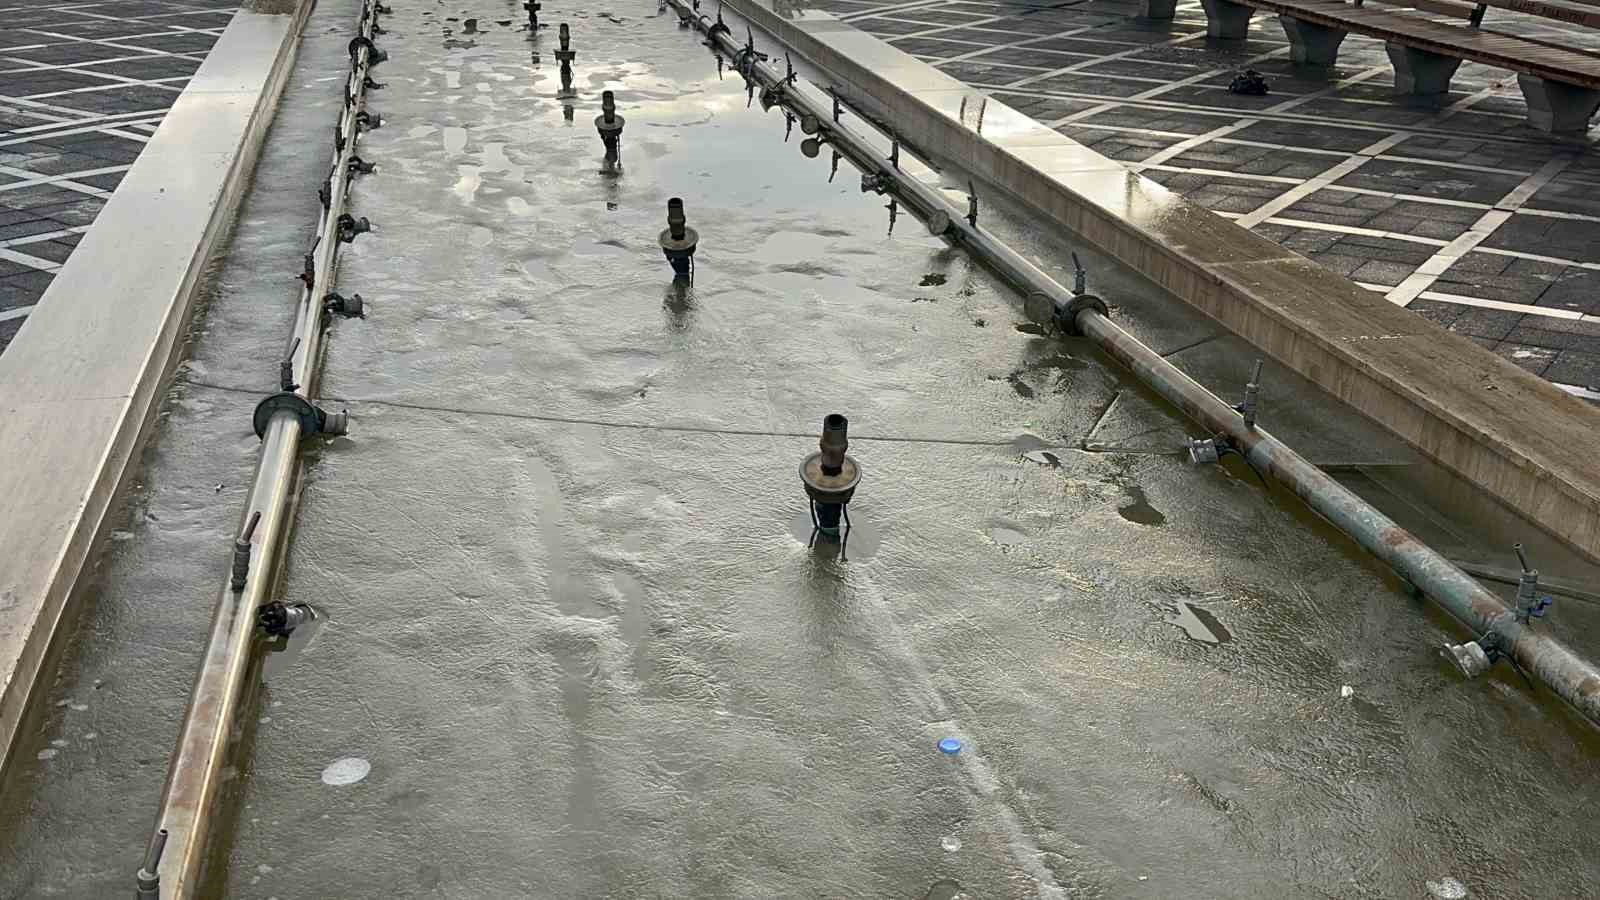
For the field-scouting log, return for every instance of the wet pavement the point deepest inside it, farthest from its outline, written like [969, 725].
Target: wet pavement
[575, 642]
[577, 636]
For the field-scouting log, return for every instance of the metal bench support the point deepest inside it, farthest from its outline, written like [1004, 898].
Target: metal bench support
[1557, 107]
[1420, 73]
[1157, 9]
[1311, 44]
[1229, 21]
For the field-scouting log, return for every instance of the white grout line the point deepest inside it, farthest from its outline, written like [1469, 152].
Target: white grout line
[1158, 158]
[37, 179]
[1585, 393]
[1329, 176]
[32, 262]
[158, 83]
[1347, 229]
[1535, 257]
[1214, 173]
[1547, 312]
[1080, 66]
[1440, 262]
[60, 181]
[46, 236]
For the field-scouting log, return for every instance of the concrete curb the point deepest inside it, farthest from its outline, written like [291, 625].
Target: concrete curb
[1521, 440]
[81, 381]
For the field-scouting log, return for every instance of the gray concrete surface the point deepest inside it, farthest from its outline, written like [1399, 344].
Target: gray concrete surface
[573, 627]
[81, 800]
[83, 377]
[1330, 164]
[83, 86]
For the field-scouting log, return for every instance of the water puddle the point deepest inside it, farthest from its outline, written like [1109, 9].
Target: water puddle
[1200, 625]
[1138, 509]
[860, 542]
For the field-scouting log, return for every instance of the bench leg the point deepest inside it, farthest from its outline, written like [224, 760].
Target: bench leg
[1226, 20]
[1558, 107]
[1311, 44]
[1157, 9]
[1421, 73]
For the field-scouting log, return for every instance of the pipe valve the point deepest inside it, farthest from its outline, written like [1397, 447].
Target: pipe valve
[830, 476]
[566, 54]
[1252, 391]
[679, 241]
[1529, 604]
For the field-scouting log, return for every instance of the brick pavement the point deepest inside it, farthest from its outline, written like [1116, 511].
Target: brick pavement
[1330, 164]
[83, 85]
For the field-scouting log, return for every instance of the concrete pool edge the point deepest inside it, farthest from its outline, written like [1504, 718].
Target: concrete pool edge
[81, 381]
[1480, 416]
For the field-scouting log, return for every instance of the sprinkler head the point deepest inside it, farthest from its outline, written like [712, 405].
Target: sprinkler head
[609, 125]
[1469, 658]
[809, 124]
[811, 147]
[830, 475]
[679, 241]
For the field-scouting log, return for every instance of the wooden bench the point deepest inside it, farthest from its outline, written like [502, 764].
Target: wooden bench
[1560, 83]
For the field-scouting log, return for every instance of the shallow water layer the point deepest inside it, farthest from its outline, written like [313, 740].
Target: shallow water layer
[574, 644]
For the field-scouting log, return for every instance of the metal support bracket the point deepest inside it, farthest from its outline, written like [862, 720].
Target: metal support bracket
[972, 204]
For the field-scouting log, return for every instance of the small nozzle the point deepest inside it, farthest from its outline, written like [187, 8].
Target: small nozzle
[148, 877]
[608, 105]
[566, 36]
[1522, 558]
[834, 443]
[676, 220]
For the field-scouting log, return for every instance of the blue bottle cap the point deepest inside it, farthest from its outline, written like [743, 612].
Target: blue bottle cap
[950, 746]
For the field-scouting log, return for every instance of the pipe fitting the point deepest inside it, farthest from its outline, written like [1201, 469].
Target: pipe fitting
[313, 419]
[1470, 658]
[359, 166]
[374, 55]
[241, 553]
[679, 241]
[1204, 451]
[350, 226]
[533, 7]
[368, 121]
[148, 878]
[280, 619]
[831, 475]
[351, 307]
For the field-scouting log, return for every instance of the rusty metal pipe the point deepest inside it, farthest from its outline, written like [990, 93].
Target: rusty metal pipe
[1574, 678]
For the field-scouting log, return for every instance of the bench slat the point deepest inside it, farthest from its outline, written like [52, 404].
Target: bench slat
[1570, 66]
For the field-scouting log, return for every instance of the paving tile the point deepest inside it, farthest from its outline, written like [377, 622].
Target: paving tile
[36, 41]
